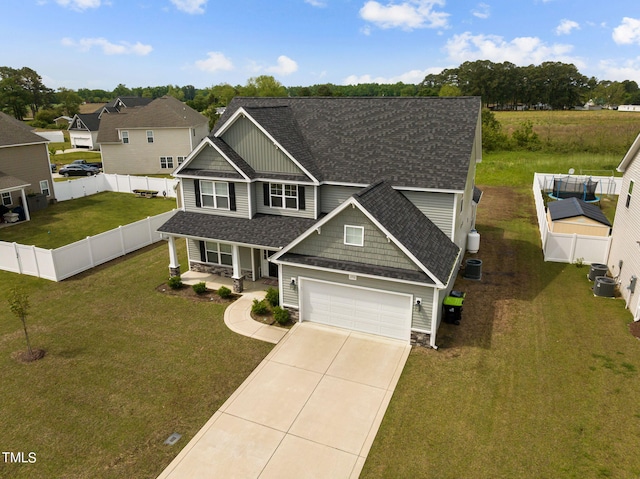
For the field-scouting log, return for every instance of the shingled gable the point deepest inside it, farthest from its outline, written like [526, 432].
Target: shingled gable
[574, 207]
[244, 171]
[423, 143]
[280, 127]
[401, 221]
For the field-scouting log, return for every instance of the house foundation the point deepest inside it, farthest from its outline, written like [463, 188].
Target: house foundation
[238, 284]
[420, 339]
[174, 271]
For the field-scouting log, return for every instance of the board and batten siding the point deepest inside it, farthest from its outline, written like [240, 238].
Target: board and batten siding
[438, 207]
[242, 200]
[309, 197]
[257, 149]
[420, 320]
[625, 235]
[377, 250]
[210, 159]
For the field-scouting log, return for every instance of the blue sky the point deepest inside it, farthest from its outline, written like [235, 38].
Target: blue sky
[101, 43]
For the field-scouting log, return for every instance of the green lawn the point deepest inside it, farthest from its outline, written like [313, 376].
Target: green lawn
[125, 367]
[73, 220]
[540, 380]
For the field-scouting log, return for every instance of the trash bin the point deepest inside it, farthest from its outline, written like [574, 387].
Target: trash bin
[452, 307]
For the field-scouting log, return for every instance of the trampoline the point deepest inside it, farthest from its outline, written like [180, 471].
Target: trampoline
[571, 187]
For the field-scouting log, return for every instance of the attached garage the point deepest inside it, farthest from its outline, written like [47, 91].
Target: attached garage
[360, 309]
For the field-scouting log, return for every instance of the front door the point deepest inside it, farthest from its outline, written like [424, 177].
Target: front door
[268, 269]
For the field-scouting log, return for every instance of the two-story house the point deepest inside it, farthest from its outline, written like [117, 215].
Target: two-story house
[624, 254]
[360, 207]
[150, 139]
[24, 165]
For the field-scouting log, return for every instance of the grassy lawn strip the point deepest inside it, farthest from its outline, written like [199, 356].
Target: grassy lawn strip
[125, 367]
[73, 220]
[539, 380]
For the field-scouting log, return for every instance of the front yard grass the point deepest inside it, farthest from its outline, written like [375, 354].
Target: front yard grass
[69, 221]
[125, 367]
[540, 379]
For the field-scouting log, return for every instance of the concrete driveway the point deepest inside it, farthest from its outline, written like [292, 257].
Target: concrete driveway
[312, 408]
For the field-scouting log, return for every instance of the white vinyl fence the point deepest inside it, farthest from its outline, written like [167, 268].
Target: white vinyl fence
[90, 185]
[568, 248]
[60, 263]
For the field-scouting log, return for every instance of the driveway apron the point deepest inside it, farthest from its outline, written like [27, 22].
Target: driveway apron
[311, 409]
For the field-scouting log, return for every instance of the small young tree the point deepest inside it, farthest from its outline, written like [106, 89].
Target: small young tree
[19, 305]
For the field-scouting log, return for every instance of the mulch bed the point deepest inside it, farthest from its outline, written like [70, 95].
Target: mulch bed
[187, 292]
[25, 357]
[634, 329]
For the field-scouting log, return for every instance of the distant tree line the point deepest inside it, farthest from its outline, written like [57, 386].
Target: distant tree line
[552, 85]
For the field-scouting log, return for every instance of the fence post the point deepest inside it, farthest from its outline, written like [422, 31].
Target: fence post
[574, 242]
[121, 240]
[15, 248]
[90, 251]
[35, 259]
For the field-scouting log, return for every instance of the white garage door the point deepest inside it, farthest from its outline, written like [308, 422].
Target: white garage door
[359, 309]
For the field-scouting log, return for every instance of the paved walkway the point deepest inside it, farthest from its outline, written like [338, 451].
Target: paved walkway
[311, 408]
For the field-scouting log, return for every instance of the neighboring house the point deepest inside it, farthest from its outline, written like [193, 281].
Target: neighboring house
[360, 207]
[624, 255]
[150, 139]
[83, 127]
[24, 164]
[574, 216]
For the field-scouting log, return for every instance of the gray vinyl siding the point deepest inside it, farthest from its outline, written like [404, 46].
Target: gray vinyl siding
[420, 320]
[210, 159]
[332, 196]
[29, 163]
[242, 200]
[309, 209]
[464, 221]
[377, 250]
[438, 207]
[257, 149]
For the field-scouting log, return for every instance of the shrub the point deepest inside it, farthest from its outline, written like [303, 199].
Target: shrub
[175, 282]
[272, 297]
[224, 292]
[200, 288]
[259, 307]
[281, 315]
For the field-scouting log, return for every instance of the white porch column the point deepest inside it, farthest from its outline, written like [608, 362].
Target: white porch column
[238, 283]
[25, 206]
[174, 265]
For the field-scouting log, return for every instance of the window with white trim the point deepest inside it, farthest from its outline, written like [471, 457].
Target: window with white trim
[166, 162]
[629, 194]
[6, 199]
[219, 253]
[354, 235]
[180, 159]
[44, 187]
[283, 196]
[149, 136]
[214, 194]
[125, 137]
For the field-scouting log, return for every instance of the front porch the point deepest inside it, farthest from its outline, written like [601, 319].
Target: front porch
[214, 281]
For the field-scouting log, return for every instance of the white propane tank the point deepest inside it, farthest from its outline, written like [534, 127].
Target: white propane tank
[473, 241]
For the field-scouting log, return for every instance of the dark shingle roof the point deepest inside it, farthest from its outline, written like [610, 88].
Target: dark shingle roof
[262, 230]
[90, 120]
[573, 207]
[14, 132]
[423, 142]
[411, 228]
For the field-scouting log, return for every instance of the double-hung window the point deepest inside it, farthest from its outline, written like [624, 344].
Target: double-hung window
[6, 199]
[629, 194]
[354, 235]
[283, 196]
[44, 187]
[219, 253]
[149, 136]
[125, 137]
[214, 194]
[166, 162]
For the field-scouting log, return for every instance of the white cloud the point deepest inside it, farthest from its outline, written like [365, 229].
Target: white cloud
[190, 6]
[108, 48]
[285, 66]
[482, 11]
[410, 77]
[520, 51]
[566, 26]
[628, 32]
[316, 3]
[79, 4]
[614, 71]
[216, 61]
[407, 15]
